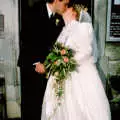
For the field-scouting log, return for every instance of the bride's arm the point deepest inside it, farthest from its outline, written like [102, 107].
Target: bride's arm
[82, 40]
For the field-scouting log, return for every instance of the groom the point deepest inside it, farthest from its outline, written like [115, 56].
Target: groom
[38, 34]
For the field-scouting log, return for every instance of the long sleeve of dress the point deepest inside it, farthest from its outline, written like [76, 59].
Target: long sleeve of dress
[79, 37]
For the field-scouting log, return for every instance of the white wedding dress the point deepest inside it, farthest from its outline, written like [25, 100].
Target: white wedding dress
[84, 96]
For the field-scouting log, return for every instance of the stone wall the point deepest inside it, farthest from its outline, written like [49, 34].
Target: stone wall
[109, 61]
[99, 23]
[112, 51]
[8, 56]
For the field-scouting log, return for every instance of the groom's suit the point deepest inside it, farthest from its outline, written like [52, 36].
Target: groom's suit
[38, 35]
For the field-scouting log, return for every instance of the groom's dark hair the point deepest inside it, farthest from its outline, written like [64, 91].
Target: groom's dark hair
[51, 1]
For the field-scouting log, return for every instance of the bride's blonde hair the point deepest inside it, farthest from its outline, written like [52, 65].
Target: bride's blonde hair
[78, 8]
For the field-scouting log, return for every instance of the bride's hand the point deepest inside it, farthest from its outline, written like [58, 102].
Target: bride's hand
[69, 15]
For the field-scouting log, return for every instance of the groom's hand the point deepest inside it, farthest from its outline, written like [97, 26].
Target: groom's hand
[40, 68]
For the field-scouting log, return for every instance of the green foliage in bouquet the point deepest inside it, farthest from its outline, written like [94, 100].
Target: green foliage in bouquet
[60, 63]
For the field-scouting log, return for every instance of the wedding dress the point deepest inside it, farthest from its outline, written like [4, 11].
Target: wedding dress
[84, 95]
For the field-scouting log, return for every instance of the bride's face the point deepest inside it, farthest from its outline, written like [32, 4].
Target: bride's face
[69, 15]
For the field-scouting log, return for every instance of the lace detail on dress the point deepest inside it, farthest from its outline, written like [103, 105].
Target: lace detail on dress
[66, 32]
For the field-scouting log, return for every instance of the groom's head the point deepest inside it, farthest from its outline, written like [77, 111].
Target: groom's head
[58, 6]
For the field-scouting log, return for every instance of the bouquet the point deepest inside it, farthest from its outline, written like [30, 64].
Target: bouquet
[60, 63]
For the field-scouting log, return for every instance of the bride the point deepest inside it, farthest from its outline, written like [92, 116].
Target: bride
[84, 95]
